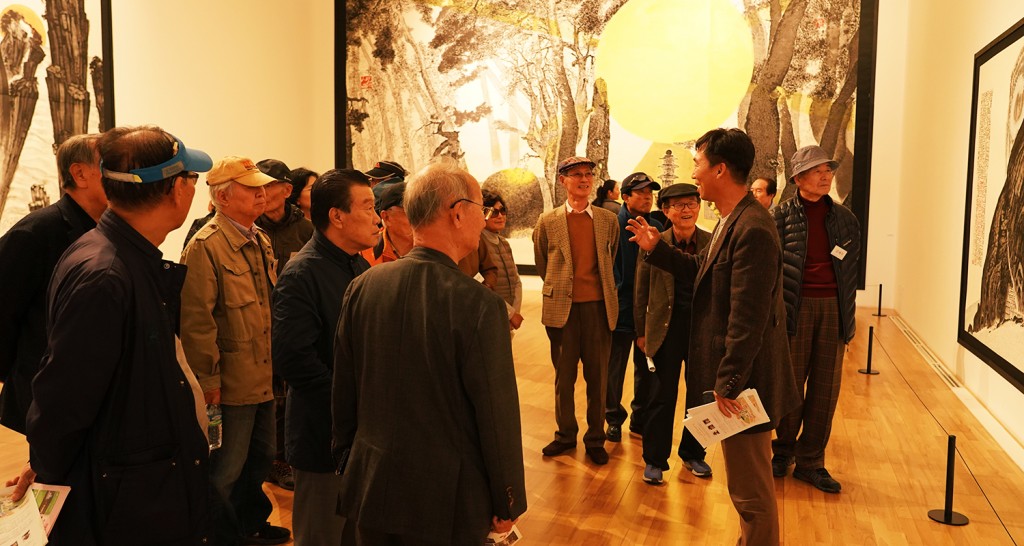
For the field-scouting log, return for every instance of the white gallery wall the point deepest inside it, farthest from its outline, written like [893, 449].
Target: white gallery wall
[942, 37]
[253, 78]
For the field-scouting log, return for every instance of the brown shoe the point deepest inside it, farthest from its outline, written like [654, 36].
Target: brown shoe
[598, 455]
[556, 448]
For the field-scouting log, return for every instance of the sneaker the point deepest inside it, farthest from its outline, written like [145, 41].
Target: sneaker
[556, 448]
[281, 475]
[780, 465]
[652, 474]
[698, 467]
[598, 455]
[268, 534]
[614, 433]
[819, 478]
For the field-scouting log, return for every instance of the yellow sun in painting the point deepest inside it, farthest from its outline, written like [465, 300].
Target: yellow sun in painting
[31, 18]
[675, 68]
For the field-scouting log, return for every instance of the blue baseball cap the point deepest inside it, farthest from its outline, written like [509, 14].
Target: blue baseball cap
[184, 160]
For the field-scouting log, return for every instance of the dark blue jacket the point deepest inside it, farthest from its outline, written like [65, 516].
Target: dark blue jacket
[113, 414]
[624, 269]
[307, 302]
[28, 254]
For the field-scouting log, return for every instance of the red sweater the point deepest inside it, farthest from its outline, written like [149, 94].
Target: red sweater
[819, 277]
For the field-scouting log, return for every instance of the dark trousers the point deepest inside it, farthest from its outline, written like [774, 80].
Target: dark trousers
[239, 507]
[748, 469]
[280, 406]
[817, 355]
[614, 413]
[662, 408]
[585, 337]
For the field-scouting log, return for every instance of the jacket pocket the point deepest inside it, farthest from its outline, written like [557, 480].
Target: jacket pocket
[148, 503]
[239, 297]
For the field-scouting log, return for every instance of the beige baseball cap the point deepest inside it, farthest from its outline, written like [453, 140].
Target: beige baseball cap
[239, 169]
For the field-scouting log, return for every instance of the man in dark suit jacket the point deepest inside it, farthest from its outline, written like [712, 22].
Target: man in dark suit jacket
[738, 337]
[425, 403]
[28, 254]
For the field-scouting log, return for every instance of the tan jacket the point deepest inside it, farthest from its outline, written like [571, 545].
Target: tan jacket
[554, 263]
[225, 312]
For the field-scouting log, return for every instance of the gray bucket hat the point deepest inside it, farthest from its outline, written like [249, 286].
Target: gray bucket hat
[809, 157]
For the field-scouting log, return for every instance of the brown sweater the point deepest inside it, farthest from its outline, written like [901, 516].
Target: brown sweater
[586, 281]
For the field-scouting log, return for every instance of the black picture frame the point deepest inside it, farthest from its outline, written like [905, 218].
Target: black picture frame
[969, 327]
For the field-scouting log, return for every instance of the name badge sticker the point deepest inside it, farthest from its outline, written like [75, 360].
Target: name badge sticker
[839, 252]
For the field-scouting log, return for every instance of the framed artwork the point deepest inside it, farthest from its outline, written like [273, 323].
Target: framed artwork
[56, 80]
[510, 87]
[991, 321]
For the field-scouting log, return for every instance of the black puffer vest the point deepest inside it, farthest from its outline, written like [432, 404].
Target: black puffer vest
[843, 231]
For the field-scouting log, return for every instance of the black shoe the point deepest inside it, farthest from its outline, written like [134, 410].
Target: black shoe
[819, 478]
[268, 534]
[281, 475]
[556, 448]
[780, 465]
[614, 433]
[598, 455]
[636, 430]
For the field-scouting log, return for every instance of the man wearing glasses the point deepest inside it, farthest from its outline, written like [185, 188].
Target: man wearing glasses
[574, 246]
[662, 316]
[425, 403]
[115, 415]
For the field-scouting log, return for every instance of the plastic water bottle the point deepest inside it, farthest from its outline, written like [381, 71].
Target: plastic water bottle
[216, 426]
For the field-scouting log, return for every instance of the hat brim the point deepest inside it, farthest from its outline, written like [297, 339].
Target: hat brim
[831, 163]
[197, 160]
[380, 173]
[254, 179]
[578, 163]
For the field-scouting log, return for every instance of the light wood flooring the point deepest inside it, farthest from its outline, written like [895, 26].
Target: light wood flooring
[888, 449]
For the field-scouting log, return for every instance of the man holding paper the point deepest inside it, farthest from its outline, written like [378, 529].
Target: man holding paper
[738, 336]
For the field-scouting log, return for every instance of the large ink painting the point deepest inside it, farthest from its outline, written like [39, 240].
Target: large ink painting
[54, 83]
[511, 87]
[992, 283]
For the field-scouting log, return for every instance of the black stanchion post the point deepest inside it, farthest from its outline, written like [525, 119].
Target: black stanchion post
[871, 340]
[947, 516]
[879, 313]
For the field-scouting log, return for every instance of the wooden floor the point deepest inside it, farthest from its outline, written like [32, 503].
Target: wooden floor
[888, 449]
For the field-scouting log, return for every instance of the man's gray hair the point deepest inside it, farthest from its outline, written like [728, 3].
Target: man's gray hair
[75, 149]
[222, 187]
[432, 190]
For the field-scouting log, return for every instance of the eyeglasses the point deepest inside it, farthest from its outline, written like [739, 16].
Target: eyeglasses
[498, 212]
[192, 177]
[580, 175]
[488, 211]
[692, 205]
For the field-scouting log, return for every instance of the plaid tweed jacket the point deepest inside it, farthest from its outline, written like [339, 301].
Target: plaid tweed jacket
[551, 249]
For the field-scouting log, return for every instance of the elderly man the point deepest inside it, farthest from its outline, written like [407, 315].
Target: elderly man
[225, 331]
[307, 299]
[289, 230]
[821, 248]
[737, 340]
[574, 246]
[426, 408]
[396, 237]
[28, 253]
[114, 415]
[764, 190]
[637, 198]
[662, 315]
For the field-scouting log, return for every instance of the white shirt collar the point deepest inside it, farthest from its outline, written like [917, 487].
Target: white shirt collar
[569, 210]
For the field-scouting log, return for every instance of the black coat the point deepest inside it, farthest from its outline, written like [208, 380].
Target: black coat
[28, 253]
[114, 416]
[844, 232]
[425, 403]
[307, 301]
